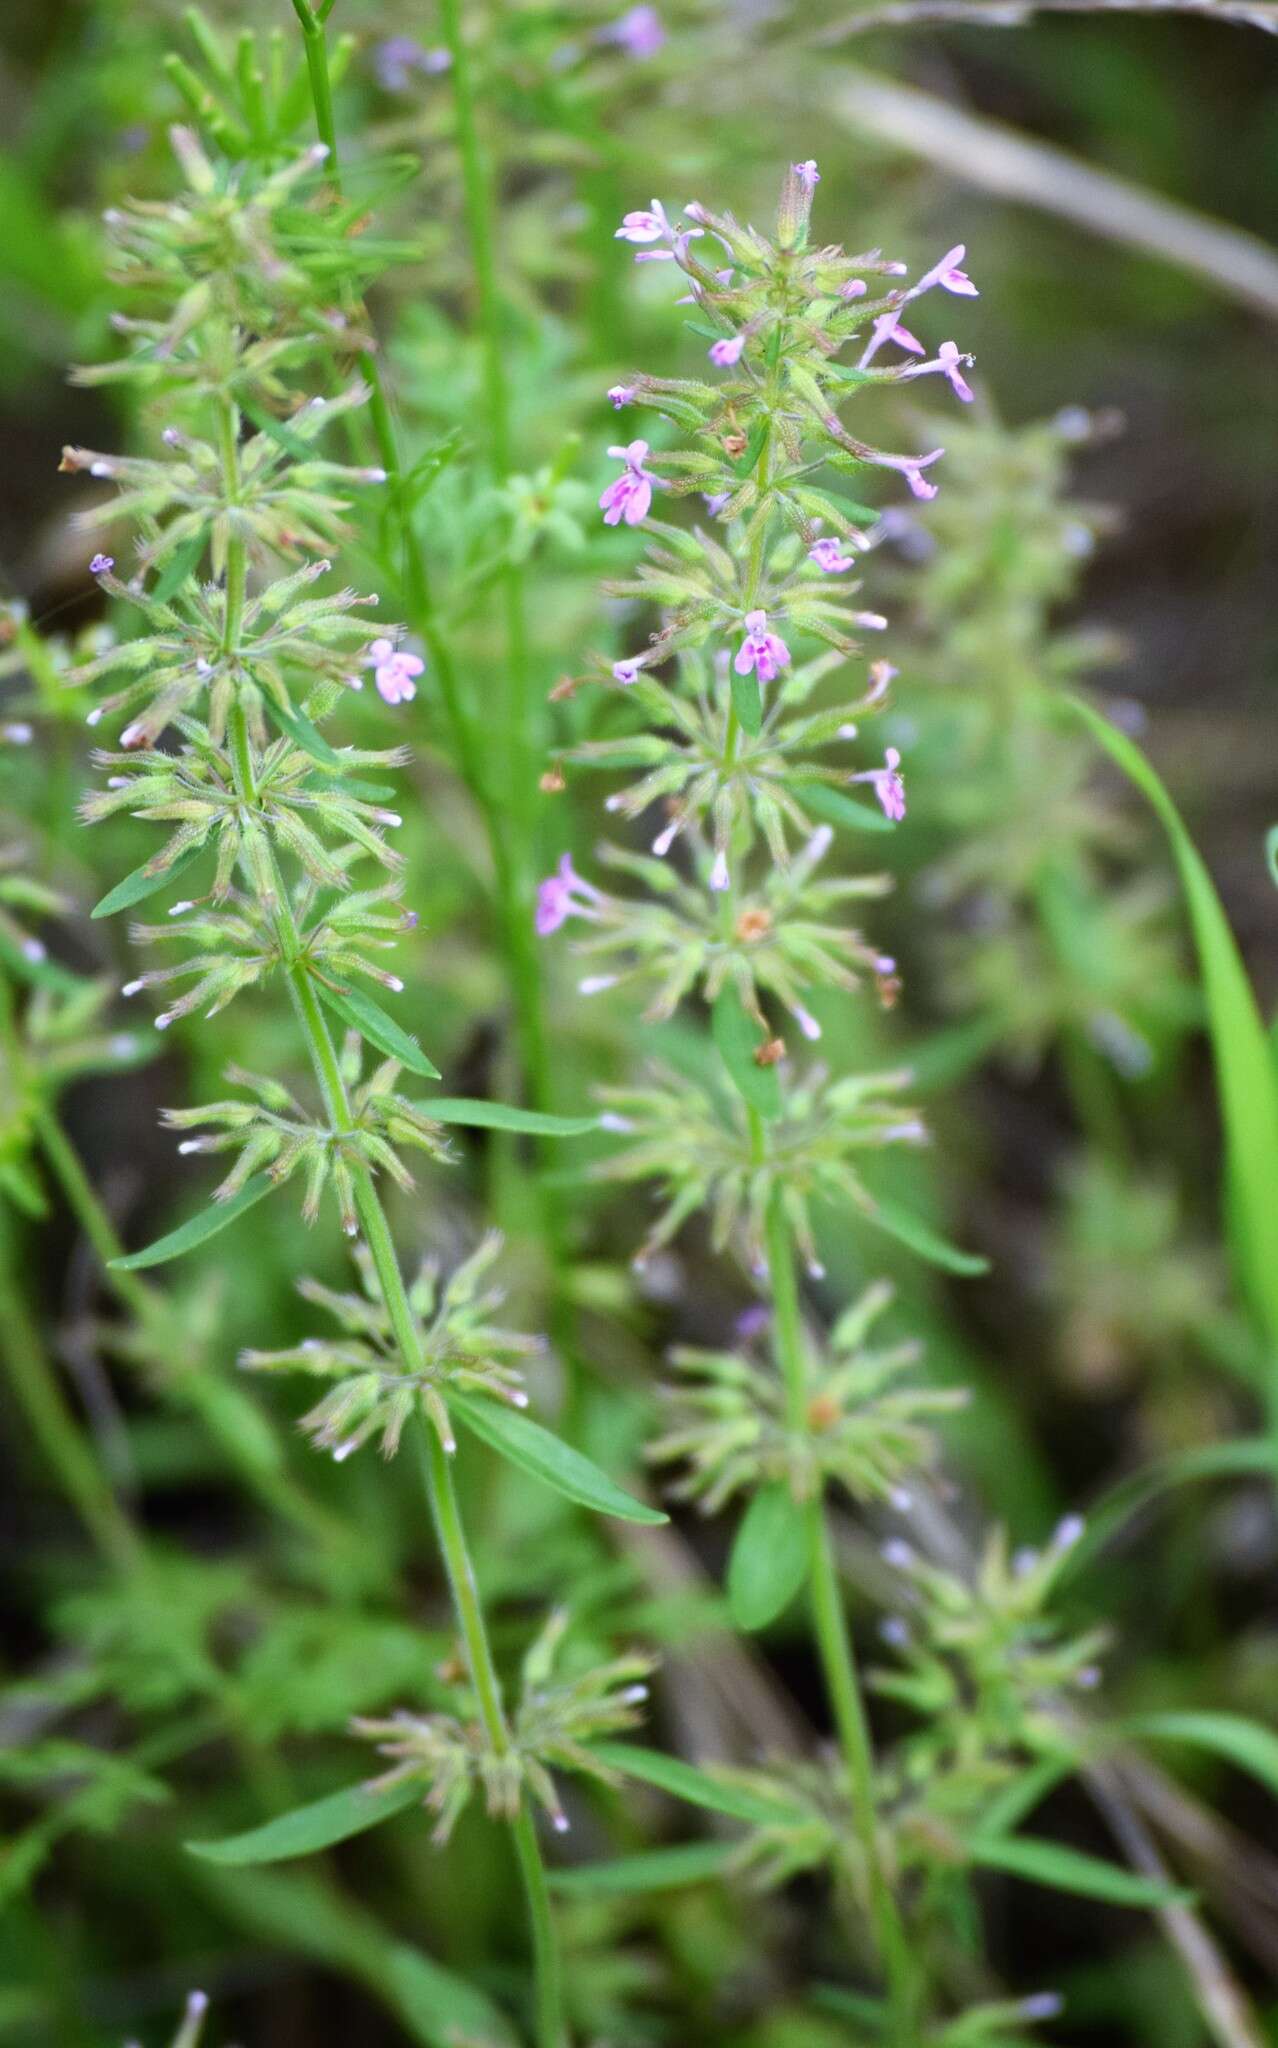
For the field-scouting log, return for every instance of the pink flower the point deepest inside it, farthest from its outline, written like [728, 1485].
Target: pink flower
[626, 672]
[631, 495]
[761, 650]
[621, 394]
[911, 468]
[715, 501]
[889, 785]
[101, 565]
[394, 672]
[563, 895]
[645, 225]
[640, 32]
[855, 288]
[947, 274]
[888, 328]
[807, 174]
[828, 555]
[653, 224]
[949, 358]
[947, 361]
[724, 353]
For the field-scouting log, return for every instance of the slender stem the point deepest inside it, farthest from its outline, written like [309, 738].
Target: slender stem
[834, 1643]
[54, 1426]
[437, 1469]
[520, 718]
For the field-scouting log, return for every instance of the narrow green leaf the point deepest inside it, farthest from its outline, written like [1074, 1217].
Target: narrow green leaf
[504, 1116]
[275, 430]
[747, 702]
[538, 1451]
[738, 1038]
[135, 888]
[1241, 1742]
[655, 1870]
[359, 1010]
[1179, 1468]
[182, 563]
[298, 727]
[441, 2007]
[1245, 1074]
[769, 1560]
[1069, 1870]
[1004, 1813]
[310, 1828]
[921, 1238]
[684, 1781]
[199, 1229]
[838, 809]
[745, 462]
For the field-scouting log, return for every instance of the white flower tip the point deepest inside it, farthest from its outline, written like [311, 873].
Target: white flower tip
[343, 1451]
[180, 909]
[898, 1554]
[559, 1822]
[1068, 1532]
[902, 1499]
[518, 1398]
[197, 2003]
[95, 716]
[450, 1444]
[719, 872]
[189, 1145]
[32, 950]
[131, 987]
[395, 985]
[164, 1020]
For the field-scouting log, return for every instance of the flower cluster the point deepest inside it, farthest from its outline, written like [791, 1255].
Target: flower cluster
[556, 1720]
[726, 1419]
[373, 1395]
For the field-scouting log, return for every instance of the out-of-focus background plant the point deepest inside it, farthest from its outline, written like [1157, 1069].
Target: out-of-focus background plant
[198, 1606]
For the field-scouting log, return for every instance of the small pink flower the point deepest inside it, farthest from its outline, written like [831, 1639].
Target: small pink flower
[807, 174]
[631, 494]
[889, 785]
[626, 672]
[947, 274]
[101, 565]
[563, 895]
[715, 501]
[761, 650]
[724, 353]
[855, 288]
[911, 468]
[949, 358]
[645, 225]
[640, 32]
[621, 394]
[393, 672]
[828, 555]
[888, 328]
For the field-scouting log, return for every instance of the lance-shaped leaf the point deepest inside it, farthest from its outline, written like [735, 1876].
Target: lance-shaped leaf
[546, 1456]
[655, 1870]
[306, 1829]
[143, 882]
[921, 1238]
[684, 1781]
[199, 1229]
[769, 1560]
[1241, 1742]
[362, 1014]
[738, 1038]
[1069, 1870]
[504, 1116]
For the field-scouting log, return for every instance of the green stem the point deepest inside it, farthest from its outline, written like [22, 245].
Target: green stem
[520, 719]
[440, 1489]
[834, 1644]
[54, 1425]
